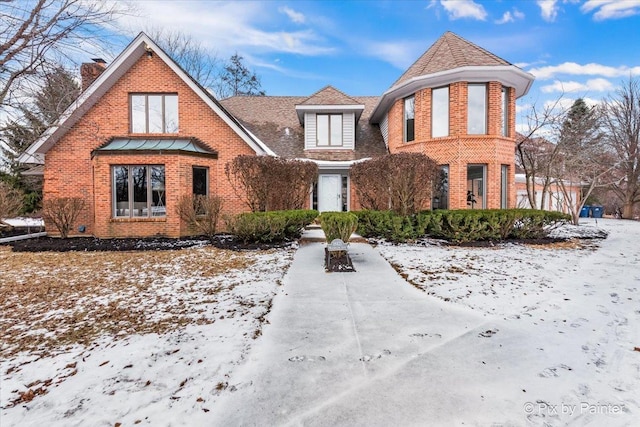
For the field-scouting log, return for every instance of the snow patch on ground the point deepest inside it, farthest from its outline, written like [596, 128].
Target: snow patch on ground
[172, 378]
[578, 305]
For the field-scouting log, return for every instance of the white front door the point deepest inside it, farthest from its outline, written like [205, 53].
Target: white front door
[330, 193]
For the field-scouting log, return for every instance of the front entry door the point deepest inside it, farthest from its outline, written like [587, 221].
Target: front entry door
[330, 193]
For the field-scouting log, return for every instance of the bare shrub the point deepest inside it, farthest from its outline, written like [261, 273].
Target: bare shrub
[200, 212]
[62, 212]
[268, 183]
[402, 182]
[11, 201]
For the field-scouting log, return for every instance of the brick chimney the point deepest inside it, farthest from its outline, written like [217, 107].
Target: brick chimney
[90, 71]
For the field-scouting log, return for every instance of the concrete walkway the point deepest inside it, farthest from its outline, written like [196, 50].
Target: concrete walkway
[349, 349]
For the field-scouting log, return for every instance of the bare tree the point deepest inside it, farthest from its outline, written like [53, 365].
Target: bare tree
[535, 154]
[236, 79]
[621, 119]
[62, 213]
[32, 32]
[193, 57]
[57, 89]
[10, 201]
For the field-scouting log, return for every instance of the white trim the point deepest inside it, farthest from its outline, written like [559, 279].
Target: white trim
[329, 108]
[508, 75]
[123, 62]
[329, 164]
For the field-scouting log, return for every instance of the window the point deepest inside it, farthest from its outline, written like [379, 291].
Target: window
[504, 190]
[477, 109]
[476, 186]
[440, 112]
[329, 130]
[409, 119]
[200, 181]
[441, 190]
[505, 111]
[138, 191]
[154, 113]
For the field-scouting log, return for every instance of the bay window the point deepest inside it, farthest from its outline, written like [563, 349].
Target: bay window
[138, 191]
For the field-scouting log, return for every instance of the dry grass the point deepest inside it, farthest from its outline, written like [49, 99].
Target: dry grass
[50, 301]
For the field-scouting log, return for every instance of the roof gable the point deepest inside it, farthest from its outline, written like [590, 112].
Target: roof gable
[140, 46]
[329, 95]
[448, 52]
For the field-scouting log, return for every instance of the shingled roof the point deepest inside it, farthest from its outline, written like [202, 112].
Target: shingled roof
[448, 52]
[273, 119]
[329, 95]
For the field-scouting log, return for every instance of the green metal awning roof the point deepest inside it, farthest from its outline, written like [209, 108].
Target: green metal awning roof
[187, 146]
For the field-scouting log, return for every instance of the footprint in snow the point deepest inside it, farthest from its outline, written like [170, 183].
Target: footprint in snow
[425, 335]
[370, 357]
[553, 371]
[307, 359]
[488, 333]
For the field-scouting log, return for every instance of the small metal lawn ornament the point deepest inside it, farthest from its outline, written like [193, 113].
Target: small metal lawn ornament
[337, 258]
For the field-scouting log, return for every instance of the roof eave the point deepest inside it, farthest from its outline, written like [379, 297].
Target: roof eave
[509, 75]
[121, 64]
[329, 108]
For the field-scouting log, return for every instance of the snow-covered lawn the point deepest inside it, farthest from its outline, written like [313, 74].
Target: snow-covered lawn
[578, 304]
[147, 338]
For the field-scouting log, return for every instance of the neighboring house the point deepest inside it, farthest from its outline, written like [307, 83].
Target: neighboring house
[144, 133]
[554, 199]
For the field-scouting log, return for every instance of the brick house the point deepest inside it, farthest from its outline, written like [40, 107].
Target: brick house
[144, 133]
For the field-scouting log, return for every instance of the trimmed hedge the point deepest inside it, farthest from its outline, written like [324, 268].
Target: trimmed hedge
[459, 226]
[269, 227]
[338, 225]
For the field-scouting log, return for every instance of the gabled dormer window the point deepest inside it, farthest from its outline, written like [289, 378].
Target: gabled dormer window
[154, 113]
[409, 119]
[329, 130]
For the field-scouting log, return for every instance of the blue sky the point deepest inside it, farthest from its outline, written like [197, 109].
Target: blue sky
[579, 48]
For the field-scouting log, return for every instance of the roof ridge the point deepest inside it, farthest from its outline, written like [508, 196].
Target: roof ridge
[326, 88]
[450, 51]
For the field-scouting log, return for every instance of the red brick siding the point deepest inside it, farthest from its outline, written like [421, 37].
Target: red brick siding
[459, 149]
[70, 171]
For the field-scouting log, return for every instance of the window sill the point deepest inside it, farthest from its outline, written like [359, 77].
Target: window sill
[139, 219]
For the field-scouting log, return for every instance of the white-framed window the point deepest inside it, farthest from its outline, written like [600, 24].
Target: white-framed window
[476, 109]
[440, 112]
[154, 113]
[505, 111]
[329, 130]
[138, 191]
[409, 118]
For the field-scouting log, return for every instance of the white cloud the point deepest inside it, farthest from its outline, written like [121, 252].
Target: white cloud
[548, 9]
[296, 17]
[508, 16]
[228, 27]
[565, 104]
[593, 85]
[611, 9]
[591, 69]
[458, 9]
[399, 54]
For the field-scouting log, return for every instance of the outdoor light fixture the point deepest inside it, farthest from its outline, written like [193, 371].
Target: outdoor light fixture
[149, 51]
